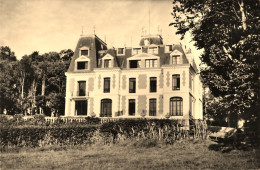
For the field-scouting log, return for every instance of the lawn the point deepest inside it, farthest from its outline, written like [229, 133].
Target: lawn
[131, 155]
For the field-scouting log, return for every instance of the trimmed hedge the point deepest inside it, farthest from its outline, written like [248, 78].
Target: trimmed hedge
[37, 133]
[39, 136]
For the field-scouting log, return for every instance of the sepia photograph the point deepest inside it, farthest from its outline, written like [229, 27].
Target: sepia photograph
[129, 84]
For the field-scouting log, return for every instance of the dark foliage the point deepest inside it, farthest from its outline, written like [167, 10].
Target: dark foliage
[228, 33]
[38, 136]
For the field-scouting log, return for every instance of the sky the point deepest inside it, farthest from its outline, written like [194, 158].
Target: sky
[53, 25]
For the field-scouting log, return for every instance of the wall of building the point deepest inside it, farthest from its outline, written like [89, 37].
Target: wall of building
[190, 86]
[119, 91]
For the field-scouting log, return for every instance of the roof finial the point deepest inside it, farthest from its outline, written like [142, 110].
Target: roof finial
[149, 21]
[94, 29]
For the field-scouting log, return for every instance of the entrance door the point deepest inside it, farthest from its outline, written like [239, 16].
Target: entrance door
[131, 108]
[81, 107]
[106, 108]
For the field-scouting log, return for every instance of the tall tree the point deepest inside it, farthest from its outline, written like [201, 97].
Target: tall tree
[227, 31]
[7, 54]
[9, 91]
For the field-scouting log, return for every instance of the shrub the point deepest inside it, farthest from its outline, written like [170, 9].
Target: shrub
[146, 132]
[39, 136]
[92, 120]
[159, 129]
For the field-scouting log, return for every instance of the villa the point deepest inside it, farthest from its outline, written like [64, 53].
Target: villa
[153, 79]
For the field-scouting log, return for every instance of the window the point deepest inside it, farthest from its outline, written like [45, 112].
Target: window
[82, 65]
[106, 108]
[106, 85]
[84, 52]
[176, 59]
[132, 85]
[107, 63]
[82, 88]
[176, 82]
[81, 107]
[134, 63]
[152, 107]
[151, 63]
[153, 84]
[120, 51]
[153, 50]
[168, 48]
[131, 108]
[176, 104]
[136, 51]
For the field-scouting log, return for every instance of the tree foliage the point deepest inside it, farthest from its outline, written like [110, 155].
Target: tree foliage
[28, 85]
[227, 31]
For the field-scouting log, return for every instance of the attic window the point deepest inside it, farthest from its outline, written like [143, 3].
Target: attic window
[176, 59]
[120, 51]
[150, 63]
[136, 51]
[82, 65]
[107, 63]
[134, 63]
[153, 50]
[168, 48]
[84, 52]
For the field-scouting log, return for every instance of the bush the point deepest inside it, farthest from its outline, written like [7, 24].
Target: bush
[159, 129]
[39, 136]
[146, 132]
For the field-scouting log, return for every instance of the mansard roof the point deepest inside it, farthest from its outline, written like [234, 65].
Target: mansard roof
[98, 49]
[94, 44]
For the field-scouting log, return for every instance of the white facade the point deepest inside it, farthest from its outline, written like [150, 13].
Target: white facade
[109, 86]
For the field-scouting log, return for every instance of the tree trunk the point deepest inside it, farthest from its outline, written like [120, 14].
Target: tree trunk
[33, 94]
[243, 15]
[22, 95]
[43, 84]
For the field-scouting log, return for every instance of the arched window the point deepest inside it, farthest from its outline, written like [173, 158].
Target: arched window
[176, 105]
[106, 108]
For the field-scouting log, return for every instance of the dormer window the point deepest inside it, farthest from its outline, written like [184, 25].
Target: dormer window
[168, 48]
[176, 59]
[151, 63]
[153, 50]
[82, 65]
[84, 52]
[134, 63]
[121, 51]
[107, 63]
[136, 51]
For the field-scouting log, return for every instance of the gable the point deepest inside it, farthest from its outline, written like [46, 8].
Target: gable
[176, 52]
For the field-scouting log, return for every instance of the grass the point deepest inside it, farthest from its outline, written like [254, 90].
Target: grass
[129, 155]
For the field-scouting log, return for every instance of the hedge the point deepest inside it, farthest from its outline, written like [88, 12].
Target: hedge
[75, 133]
[39, 136]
